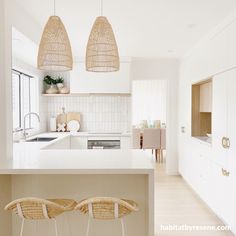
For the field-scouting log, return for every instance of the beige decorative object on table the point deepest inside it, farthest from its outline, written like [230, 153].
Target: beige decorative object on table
[61, 127]
[157, 124]
[64, 90]
[52, 90]
[55, 50]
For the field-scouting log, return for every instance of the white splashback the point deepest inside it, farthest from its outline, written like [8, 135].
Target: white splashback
[99, 113]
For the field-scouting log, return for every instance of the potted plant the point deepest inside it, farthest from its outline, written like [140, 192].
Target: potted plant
[49, 81]
[60, 82]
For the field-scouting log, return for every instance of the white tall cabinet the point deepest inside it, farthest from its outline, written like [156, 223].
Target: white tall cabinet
[224, 119]
[210, 169]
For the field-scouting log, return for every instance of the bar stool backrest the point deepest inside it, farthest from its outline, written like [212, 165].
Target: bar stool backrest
[35, 208]
[106, 208]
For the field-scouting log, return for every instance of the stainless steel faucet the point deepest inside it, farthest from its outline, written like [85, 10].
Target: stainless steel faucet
[29, 114]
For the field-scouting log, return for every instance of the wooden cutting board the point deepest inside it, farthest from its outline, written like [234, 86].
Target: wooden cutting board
[72, 116]
[62, 118]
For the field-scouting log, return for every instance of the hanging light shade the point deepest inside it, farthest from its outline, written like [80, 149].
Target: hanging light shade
[102, 52]
[55, 50]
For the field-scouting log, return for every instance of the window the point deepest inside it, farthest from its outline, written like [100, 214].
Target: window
[24, 99]
[148, 101]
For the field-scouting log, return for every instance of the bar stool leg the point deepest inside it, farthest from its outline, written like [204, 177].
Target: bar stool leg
[36, 228]
[88, 226]
[68, 225]
[124, 232]
[55, 221]
[22, 227]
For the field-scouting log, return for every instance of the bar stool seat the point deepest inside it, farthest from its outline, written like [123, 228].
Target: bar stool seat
[40, 209]
[107, 208]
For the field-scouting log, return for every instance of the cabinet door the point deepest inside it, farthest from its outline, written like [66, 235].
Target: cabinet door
[232, 119]
[219, 118]
[82, 81]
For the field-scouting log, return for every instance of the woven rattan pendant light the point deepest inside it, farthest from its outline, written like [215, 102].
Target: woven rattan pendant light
[55, 50]
[102, 52]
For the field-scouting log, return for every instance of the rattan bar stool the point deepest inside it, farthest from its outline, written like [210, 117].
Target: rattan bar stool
[107, 208]
[40, 209]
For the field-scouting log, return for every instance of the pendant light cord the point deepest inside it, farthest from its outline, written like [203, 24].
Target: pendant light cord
[54, 7]
[101, 7]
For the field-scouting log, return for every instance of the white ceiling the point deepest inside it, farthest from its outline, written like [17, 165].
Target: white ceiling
[143, 28]
[20, 45]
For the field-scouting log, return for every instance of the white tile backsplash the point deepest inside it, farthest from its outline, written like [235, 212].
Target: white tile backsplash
[99, 113]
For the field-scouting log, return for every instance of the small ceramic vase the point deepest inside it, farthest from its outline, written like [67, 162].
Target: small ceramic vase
[52, 89]
[60, 85]
[64, 90]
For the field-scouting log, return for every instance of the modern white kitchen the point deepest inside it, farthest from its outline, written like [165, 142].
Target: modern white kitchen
[118, 117]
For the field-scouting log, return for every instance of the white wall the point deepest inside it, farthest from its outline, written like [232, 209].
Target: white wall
[25, 23]
[98, 113]
[5, 80]
[167, 69]
[9, 16]
[2, 82]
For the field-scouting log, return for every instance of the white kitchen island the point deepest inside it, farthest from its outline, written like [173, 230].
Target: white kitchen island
[38, 171]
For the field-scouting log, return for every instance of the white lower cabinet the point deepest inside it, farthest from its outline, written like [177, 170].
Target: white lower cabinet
[64, 143]
[223, 195]
[78, 142]
[216, 188]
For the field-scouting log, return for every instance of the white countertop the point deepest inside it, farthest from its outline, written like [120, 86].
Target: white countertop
[30, 158]
[97, 134]
[204, 139]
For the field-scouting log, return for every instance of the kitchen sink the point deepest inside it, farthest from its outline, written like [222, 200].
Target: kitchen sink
[41, 139]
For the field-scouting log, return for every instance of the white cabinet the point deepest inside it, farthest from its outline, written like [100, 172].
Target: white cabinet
[232, 121]
[224, 119]
[201, 165]
[78, 142]
[82, 81]
[206, 97]
[63, 143]
[125, 143]
[223, 195]
[219, 118]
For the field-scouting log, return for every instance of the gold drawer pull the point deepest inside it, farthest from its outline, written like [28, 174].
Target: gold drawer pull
[225, 142]
[225, 172]
[228, 142]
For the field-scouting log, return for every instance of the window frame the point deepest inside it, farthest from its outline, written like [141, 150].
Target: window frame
[20, 120]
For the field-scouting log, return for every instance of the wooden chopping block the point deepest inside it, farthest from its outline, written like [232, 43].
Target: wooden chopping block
[72, 116]
[61, 118]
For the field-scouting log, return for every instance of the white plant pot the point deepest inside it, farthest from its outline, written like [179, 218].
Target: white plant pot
[60, 85]
[52, 90]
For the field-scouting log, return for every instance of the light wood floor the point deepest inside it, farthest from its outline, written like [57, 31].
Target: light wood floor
[176, 203]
